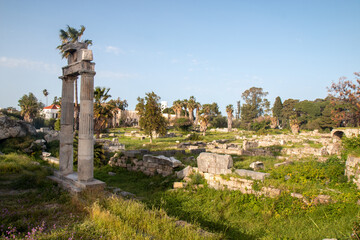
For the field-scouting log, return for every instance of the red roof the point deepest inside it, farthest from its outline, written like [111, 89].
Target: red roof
[52, 106]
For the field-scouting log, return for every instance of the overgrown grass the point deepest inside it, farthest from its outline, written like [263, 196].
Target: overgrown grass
[241, 216]
[134, 182]
[38, 209]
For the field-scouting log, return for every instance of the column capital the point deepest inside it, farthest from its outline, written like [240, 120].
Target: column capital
[68, 78]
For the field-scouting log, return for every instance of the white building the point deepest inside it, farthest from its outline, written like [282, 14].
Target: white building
[51, 111]
[164, 105]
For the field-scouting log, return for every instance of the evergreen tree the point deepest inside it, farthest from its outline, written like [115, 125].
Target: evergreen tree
[276, 110]
[151, 119]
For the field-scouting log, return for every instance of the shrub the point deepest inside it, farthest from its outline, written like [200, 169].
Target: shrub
[182, 124]
[195, 137]
[257, 126]
[351, 146]
[219, 122]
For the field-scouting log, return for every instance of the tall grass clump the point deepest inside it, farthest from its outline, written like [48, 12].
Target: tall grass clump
[129, 219]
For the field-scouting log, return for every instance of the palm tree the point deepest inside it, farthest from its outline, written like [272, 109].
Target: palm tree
[191, 105]
[46, 93]
[103, 111]
[29, 107]
[229, 111]
[197, 107]
[184, 105]
[177, 107]
[73, 35]
[204, 119]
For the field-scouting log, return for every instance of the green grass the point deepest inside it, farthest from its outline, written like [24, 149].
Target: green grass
[240, 216]
[33, 207]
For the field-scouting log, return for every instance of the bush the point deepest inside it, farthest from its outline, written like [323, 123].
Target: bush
[351, 146]
[195, 137]
[182, 124]
[219, 122]
[257, 126]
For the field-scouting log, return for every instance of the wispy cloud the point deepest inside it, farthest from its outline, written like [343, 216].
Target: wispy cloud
[114, 75]
[114, 50]
[28, 64]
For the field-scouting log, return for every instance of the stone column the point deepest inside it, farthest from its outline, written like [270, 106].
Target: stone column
[86, 128]
[67, 122]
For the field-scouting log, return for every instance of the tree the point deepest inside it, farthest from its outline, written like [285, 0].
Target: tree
[276, 110]
[346, 101]
[191, 105]
[184, 105]
[177, 107]
[288, 111]
[229, 111]
[197, 107]
[103, 111]
[57, 101]
[29, 107]
[255, 104]
[72, 35]
[46, 93]
[204, 118]
[151, 119]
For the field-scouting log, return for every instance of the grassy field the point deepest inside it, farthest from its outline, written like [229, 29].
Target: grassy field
[32, 207]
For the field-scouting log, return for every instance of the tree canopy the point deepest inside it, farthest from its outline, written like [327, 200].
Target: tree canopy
[151, 119]
[29, 106]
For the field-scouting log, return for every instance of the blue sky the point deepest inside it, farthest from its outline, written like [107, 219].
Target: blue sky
[214, 50]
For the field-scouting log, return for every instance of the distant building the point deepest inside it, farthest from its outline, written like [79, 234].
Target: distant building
[164, 105]
[51, 111]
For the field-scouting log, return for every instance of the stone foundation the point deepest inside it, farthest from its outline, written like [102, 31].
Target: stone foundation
[352, 169]
[149, 165]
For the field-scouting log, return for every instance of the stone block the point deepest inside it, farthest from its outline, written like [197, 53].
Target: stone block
[185, 172]
[352, 169]
[257, 165]
[178, 185]
[276, 165]
[214, 163]
[252, 174]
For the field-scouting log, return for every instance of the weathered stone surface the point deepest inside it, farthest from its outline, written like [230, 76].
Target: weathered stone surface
[249, 145]
[52, 135]
[352, 169]
[185, 172]
[276, 165]
[322, 199]
[270, 192]
[257, 165]
[178, 185]
[253, 175]
[214, 163]
[150, 165]
[10, 128]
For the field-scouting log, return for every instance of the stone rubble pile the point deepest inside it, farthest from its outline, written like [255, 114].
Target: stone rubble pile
[149, 165]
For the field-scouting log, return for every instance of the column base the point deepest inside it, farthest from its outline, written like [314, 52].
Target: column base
[70, 182]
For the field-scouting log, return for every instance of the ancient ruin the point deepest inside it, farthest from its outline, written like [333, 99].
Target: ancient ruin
[79, 63]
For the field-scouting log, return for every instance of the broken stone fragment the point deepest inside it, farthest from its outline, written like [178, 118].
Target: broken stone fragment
[185, 172]
[252, 174]
[257, 165]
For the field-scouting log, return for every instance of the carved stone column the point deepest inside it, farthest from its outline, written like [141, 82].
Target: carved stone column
[67, 122]
[86, 128]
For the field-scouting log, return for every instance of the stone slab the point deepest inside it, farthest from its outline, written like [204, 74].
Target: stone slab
[252, 174]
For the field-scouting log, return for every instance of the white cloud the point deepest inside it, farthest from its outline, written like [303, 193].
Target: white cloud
[114, 50]
[28, 64]
[114, 75]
